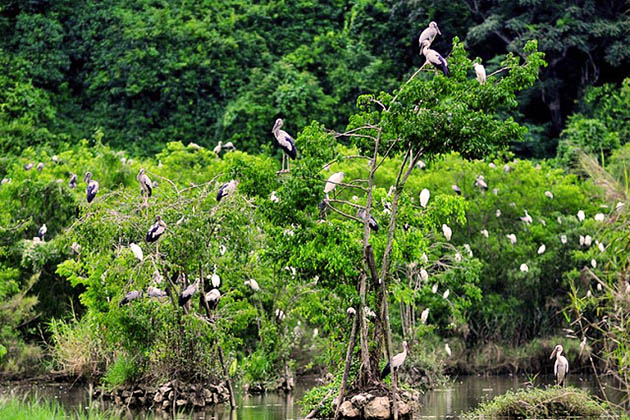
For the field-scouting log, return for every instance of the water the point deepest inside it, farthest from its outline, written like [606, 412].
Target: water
[462, 395]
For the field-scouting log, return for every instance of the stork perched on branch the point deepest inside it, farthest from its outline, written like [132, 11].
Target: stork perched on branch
[434, 57]
[286, 143]
[429, 34]
[92, 187]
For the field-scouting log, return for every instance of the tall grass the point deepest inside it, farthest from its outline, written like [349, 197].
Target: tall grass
[35, 409]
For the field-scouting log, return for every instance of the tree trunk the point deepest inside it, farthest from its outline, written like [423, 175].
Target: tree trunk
[346, 369]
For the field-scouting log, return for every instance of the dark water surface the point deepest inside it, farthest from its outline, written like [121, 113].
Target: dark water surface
[463, 394]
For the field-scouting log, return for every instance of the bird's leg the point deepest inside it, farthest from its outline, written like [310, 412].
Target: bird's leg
[288, 163]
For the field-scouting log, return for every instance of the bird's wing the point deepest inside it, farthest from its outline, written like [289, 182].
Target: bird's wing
[285, 140]
[555, 368]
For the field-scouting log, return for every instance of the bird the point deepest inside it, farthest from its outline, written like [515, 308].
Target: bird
[146, 186]
[447, 349]
[132, 295]
[217, 148]
[581, 216]
[73, 181]
[156, 230]
[372, 221]
[434, 289]
[187, 294]
[273, 197]
[561, 367]
[226, 189]
[446, 294]
[75, 247]
[563, 239]
[601, 247]
[42, 231]
[599, 217]
[495, 191]
[154, 292]
[213, 297]
[40, 166]
[498, 213]
[492, 164]
[481, 182]
[195, 146]
[524, 268]
[581, 240]
[280, 315]
[396, 361]
[425, 194]
[429, 34]
[55, 158]
[5, 181]
[332, 182]
[29, 166]
[424, 275]
[447, 232]
[351, 311]
[421, 165]
[434, 57]
[588, 240]
[506, 168]
[286, 143]
[549, 194]
[424, 316]
[480, 71]
[511, 237]
[215, 279]
[229, 146]
[456, 189]
[253, 284]
[541, 249]
[157, 277]
[222, 249]
[484, 232]
[593, 264]
[527, 218]
[137, 251]
[92, 187]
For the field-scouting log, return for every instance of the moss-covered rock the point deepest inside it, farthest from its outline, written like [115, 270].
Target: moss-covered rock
[538, 403]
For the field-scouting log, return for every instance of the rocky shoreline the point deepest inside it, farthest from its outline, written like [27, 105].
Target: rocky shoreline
[366, 405]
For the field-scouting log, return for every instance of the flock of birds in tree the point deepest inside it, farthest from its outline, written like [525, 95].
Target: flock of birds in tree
[287, 144]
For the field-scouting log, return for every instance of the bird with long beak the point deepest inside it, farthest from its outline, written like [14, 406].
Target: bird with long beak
[429, 34]
[561, 367]
[434, 57]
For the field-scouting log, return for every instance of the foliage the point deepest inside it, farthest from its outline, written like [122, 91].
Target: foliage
[537, 403]
[35, 409]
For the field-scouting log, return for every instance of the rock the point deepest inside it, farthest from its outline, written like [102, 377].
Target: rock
[164, 389]
[158, 397]
[359, 400]
[181, 402]
[349, 411]
[207, 396]
[377, 409]
[165, 403]
[403, 408]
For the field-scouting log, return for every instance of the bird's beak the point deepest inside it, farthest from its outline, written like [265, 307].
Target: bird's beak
[438, 29]
[553, 353]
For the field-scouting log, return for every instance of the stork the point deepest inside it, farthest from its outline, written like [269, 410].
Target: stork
[396, 361]
[215, 279]
[456, 189]
[371, 221]
[332, 182]
[480, 71]
[40, 166]
[137, 251]
[187, 294]
[42, 231]
[156, 230]
[429, 34]
[229, 146]
[92, 187]
[425, 194]
[154, 292]
[434, 57]
[133, 295]
[217, 148]
[253, 284]
[561, 367]
[213, 297]
[447, 232]
[29, 166]
[286, 143]
[226, 189]
[73, 181]
[146, 186]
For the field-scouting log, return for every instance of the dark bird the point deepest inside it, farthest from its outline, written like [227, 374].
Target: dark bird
[133, 295]
[226, 189]
[40, 166]
[42, 231]
[434, 57]
[187, 294]
[73, 181]
[286, 143]
[213, 297]
[456, 189]
[92, 187]
[156, 230]
[396, 361]
[146, 186]
[372, 221]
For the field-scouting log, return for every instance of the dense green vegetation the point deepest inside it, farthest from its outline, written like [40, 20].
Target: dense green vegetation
[118, 86]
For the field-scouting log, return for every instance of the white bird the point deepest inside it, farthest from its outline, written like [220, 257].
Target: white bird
[222, 249]
[561, 367]
[55, 158]
[581, 240]
[498, 213]
[429, 34]
[458, 257]
[512, 238]
[146, 186]
[559, 220]
[286, 143]
[332, 182]
[506, 168]
[456, 189]
[599, 217]
[424, 197]
[424, 275]
[588, 240]
[492, 165]
[524, 268]
[396, 361]
[193, 145]
[548, 194]
[229, 146]
[392, 190]
[480, 71]
[541, 249]
[527, 218]
[274, 198]
[137, 251]
[29, 166]
[424, 316]
[253, 284]
[92, 187]
[423, 258]
[434, 57]
[280, 315]
[132, 295]
[157, 277]
[593, 263]
[213, 297]
[581, 216]
[368, 312]
[563, 239]
[40, 166]
[421, 164]
[619, 205]
[154, 292]
[434, 289]
[226, 189]
[495, 191]
[601, 247]
[467, 248]
[447, 348]
[75, 247]
[599, 287]
[480, 182]
[42, 231]
[351, 311]
[5, 181]
[217, 148]
[446, 294]
[355, 198]
[215, 279]
[447, 232]
[484, 232]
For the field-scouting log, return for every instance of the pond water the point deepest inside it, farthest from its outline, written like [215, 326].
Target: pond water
[461, 395]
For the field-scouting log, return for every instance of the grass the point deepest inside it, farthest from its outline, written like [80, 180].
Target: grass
[33, 409]
[552, 402]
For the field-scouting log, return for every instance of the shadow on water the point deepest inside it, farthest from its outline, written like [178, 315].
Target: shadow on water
[462, 395]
